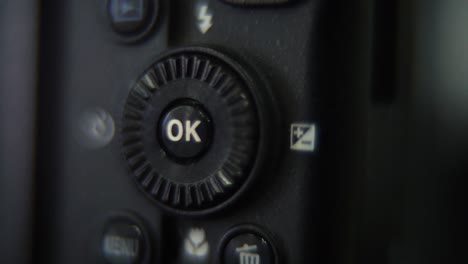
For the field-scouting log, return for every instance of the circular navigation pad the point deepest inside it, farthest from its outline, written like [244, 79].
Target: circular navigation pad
[193, 130]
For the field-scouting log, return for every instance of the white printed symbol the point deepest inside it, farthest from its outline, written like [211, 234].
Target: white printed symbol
[126, 7]
[303, 137]
[195, 244]
[95, 128]
[247, 254]
[176, 133]
[127, 10]
[204, 18]
[120, 246]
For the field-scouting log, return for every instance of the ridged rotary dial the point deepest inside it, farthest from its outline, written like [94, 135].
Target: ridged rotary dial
[190, 130]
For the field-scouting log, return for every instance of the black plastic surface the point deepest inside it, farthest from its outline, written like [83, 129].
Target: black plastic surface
[290, 49]
[257, 2]
[383, 83]
[18, 81]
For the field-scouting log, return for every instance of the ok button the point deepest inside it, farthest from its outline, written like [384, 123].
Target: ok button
[185, 130]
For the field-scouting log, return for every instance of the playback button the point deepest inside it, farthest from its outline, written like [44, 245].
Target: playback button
[132, 19]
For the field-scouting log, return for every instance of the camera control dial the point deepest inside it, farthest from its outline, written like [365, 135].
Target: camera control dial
[192, 130]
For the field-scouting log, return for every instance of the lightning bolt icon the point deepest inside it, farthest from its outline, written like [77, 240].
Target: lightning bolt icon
[204, 18]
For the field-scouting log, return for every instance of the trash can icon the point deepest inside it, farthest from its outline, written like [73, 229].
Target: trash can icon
[247, 256]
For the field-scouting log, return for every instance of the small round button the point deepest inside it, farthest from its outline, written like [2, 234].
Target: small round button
[185, 130]
[123, 242]
[247, 245]
[132, 19]
[248, 248]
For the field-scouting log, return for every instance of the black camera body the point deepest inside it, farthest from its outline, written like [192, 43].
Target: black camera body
[193, 131]
[233, 131]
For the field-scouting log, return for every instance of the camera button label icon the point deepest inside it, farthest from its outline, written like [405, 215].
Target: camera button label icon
[185, 130]
[195, 243]
[248, 255]
[124, 241]
[248, 248]
[303, 137]
[126, 10]
[95, 128]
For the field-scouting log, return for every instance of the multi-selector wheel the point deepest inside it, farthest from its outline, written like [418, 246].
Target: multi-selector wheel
[194, 130]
